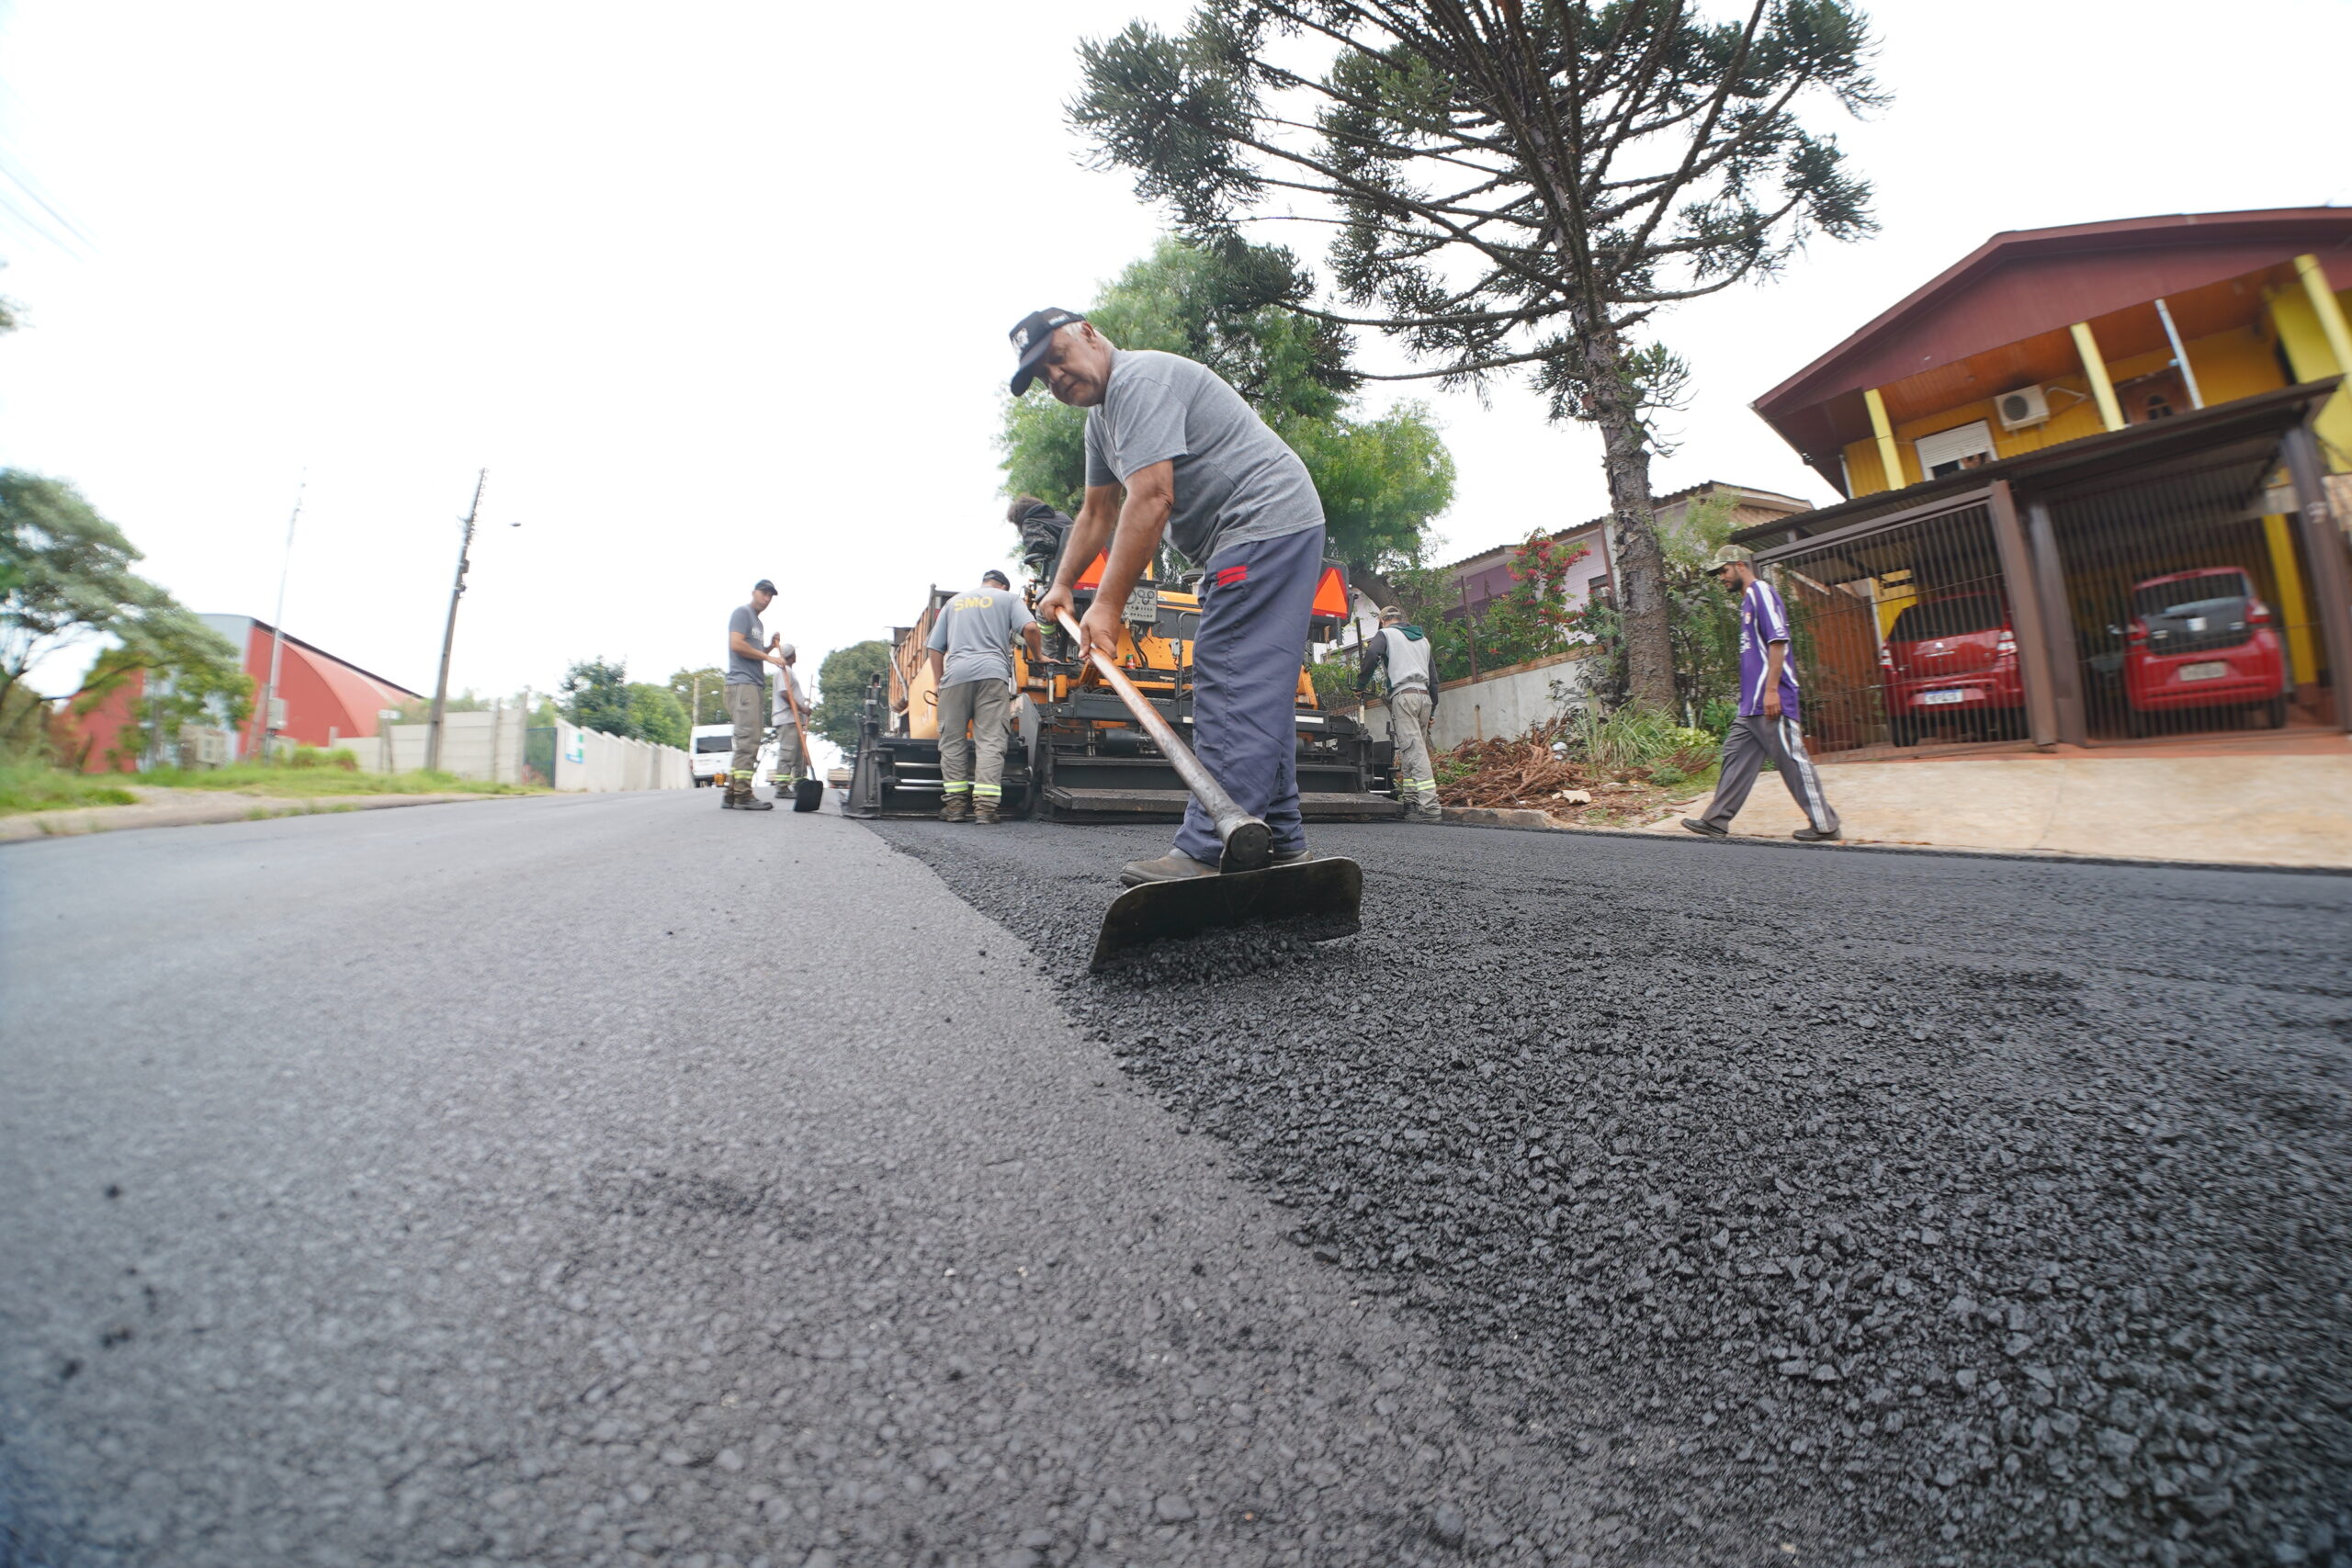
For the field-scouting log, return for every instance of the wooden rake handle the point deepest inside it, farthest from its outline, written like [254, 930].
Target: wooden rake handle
[1248, 843]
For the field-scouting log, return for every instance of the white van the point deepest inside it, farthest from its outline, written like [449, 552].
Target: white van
[709, 751]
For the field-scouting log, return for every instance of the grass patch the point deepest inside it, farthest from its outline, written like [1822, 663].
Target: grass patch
[36, 786]
[310, 783]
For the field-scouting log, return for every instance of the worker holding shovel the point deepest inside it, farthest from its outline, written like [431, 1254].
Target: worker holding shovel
[1172, 451]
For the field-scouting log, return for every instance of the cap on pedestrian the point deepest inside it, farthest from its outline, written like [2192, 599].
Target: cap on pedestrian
[764, 586]
[786, 651]
[1391, 613]
[993, 575]
[1727, 557]
[1033, 338]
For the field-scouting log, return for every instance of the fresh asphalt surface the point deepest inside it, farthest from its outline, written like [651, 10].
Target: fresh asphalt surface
[614, 1180]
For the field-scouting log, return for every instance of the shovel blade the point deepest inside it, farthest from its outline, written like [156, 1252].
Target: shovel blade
[1328, 892]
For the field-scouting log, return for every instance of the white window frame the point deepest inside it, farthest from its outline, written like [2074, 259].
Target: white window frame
[1951, 445]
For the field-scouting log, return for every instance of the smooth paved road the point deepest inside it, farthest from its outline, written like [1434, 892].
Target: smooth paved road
[614, 1180]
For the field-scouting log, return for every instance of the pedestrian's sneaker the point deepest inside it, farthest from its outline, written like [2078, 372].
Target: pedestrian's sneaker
[984, 813]
[955, 808]
[1704, 829]
[1810, 835]
[1173, 866]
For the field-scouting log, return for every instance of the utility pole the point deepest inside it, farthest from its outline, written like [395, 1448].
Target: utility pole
[449, 633]
[277, 628]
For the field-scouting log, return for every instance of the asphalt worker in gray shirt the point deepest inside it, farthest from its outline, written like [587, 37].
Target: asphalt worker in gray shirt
[1404, 655]
[1171, 450]
[747, 696]
[971, 664]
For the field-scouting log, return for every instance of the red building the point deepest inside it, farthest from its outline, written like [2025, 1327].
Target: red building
[322, 700]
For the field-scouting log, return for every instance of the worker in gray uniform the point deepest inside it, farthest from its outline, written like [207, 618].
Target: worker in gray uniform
[791, 702]
[1403, 653]
[747, 693]
[971, 664]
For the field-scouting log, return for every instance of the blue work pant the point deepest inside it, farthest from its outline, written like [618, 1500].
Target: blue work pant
[1258, 600]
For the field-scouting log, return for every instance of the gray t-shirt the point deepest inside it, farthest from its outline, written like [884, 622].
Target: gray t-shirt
[1235, 481]
[975, 631]
[740, 670]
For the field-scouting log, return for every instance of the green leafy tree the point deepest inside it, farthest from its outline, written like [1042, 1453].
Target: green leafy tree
[1233, 307]
[842, 681]
[192, 679]
[656, 715]
[1703, 622]
[596, 695]
[707, 705]
[66, 578]
[1516, 188]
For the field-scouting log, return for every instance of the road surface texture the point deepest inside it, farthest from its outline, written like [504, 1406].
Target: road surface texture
[614, 1180]
[1850, 1206]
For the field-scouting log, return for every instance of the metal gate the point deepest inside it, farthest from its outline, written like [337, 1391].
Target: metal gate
[1901, 630]
[2187, 591]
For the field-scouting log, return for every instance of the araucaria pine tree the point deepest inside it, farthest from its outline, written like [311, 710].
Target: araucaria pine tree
[1516, 186]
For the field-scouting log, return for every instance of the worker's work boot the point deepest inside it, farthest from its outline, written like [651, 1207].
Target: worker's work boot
[955, 808]
[753, 803]
[984, 813]
[1173, 866]
[1427, 809]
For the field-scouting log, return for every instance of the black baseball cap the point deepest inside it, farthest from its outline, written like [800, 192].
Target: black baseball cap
[993, 575]
[764, 586]
[1033, 335]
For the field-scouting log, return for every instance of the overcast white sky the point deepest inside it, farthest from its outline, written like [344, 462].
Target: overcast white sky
[720, 290]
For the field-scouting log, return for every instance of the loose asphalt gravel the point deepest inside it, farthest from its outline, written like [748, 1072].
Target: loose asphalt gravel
[616, 1181]
[1823, 1205]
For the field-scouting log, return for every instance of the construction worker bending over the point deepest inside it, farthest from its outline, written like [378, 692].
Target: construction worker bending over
[971, 663]
[1404, 654]
[791, 702]
[747, 694]
[1766, 724]
[1200, 467]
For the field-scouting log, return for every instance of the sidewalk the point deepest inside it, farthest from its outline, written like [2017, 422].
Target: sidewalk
[183, 808]
[2281, 808]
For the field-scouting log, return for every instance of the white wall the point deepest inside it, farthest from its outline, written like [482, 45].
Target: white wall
[1505, 705]
[591, 760]
[490, 745]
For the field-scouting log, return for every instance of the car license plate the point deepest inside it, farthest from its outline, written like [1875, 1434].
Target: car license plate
[2212, 671]
[1932, 699]
[1143, 603]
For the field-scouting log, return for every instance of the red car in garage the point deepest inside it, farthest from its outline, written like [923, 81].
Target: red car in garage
[1951, 656]
[2201, 639]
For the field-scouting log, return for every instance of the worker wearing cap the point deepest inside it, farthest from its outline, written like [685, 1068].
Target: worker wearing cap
[971, 664]
[1171, 450]
[747, 696]
[791, 702]
[1403, 654]
[1766, 724]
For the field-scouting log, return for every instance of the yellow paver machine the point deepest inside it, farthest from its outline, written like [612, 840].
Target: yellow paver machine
[1076, 754]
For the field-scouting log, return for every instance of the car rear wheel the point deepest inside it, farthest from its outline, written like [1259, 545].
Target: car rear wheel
[2276, 712]
[2135, 724]
[1903, 731]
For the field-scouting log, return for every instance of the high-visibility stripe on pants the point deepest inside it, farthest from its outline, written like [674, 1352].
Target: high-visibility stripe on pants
[957, 786]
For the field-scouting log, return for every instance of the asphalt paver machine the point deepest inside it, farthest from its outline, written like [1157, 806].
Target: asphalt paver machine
[1076, 754]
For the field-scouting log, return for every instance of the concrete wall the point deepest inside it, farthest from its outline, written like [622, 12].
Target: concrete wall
[1505, 703]
[490, 745]
[590, 759]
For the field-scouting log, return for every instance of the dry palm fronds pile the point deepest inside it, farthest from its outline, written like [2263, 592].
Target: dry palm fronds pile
[1552, 768]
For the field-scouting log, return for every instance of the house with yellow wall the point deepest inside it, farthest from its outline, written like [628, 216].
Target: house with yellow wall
[2035, 358]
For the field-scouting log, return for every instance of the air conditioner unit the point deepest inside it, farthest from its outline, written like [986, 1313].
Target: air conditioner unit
[2022, 408]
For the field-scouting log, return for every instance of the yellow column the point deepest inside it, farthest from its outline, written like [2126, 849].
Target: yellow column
[2293, 611]
[2330, 310]
[2110, 412]
[1890, 456]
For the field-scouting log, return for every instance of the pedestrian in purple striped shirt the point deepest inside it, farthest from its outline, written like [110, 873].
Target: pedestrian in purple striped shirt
[1766, 724]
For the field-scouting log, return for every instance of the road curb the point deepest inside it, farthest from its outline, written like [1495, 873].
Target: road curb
[1524, 820]
[32, 827]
